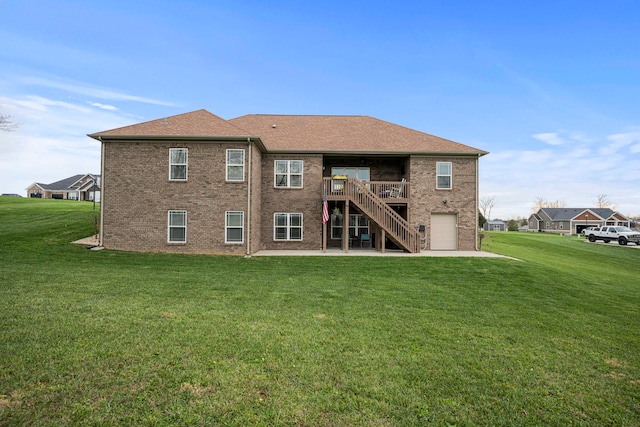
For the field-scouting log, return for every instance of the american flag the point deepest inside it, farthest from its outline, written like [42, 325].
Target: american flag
[325, 208]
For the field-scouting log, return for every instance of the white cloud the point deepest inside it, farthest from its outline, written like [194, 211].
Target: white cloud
[619, 141]
[550, 138]
[104, 106]
[50, 142]
[84, 89]
[40, 103]
[574, 173]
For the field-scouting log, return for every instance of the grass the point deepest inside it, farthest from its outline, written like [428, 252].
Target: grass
[110, 338]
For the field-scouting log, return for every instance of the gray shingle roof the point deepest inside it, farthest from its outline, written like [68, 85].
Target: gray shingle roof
[65, 184]
[566, 214]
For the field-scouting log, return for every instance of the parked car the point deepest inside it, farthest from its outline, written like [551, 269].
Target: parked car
[585, 231]
[623, 235]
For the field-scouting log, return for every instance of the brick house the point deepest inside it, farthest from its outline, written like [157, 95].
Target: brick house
[196, 183]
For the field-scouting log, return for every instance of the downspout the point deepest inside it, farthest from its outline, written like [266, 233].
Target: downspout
[477, 197]
[100, 240]
[249, 200]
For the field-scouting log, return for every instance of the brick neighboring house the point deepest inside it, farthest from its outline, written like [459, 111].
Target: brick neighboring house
[574, 220]
[77, 187]
[196, 183]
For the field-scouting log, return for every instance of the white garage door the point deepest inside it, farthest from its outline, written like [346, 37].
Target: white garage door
[444, 236]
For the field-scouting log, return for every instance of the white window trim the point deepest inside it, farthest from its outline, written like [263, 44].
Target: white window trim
[288, 173]
[227, 227]
[288, 227]
[169, 227]
[185, 164]
[450, 175]
[354, 228]
[233, 164]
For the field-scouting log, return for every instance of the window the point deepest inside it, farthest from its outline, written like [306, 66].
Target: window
[234, 227]
[336, 226]
[288, 173]
[443, 175]
[363, 174]
[178, 164]
[358, 225]
[177, 227]
[287, 226]
[235, 165]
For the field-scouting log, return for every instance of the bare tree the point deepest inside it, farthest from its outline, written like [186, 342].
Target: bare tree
[539, 203]
[603, 201]
[486, 204]
[556, 204]
[6, 124]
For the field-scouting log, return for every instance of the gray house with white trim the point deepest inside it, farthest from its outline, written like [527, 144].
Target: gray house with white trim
[76, 187]
[574, 220]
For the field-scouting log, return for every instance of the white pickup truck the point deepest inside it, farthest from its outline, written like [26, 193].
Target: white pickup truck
[623, 235]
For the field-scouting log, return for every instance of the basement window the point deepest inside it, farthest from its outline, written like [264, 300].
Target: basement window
[177, 229]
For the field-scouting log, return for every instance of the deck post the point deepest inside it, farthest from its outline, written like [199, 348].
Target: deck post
[345, 227]
[324, 237]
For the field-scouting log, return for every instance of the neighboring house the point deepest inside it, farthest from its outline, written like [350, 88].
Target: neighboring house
[495, 225]
[77, 187]
[574, 220]
[197, 183]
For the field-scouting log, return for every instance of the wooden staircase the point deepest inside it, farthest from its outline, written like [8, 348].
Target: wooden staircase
[377, 210]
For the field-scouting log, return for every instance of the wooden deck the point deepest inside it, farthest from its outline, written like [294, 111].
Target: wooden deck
[392, 192]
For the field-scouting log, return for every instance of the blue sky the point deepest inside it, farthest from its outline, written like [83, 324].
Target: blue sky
[550, 88]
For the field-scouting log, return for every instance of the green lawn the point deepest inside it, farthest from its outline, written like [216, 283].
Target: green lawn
[115, 338]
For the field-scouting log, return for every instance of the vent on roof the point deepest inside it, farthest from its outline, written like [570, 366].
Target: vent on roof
[274, 126]
[164, 121]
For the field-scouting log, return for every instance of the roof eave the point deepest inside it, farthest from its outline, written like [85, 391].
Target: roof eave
[196, 138]
[378, 153]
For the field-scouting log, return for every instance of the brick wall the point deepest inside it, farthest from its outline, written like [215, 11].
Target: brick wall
[137, 194]
[307, 200]
[461, 199]
[256, 199]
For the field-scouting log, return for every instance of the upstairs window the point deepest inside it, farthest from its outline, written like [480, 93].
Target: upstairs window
[287, 226]
[235, 165]
[178, 158]
[443, 176]
[288, 173]
[177, 230]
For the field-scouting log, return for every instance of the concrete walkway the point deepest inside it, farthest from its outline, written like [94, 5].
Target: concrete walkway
[94, 242]
[89, 241]
[388, 253]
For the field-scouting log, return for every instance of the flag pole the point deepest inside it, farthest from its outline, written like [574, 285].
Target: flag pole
[325, 218]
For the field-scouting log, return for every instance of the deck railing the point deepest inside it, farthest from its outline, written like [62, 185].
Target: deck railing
[368, 198]
[390, 191]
